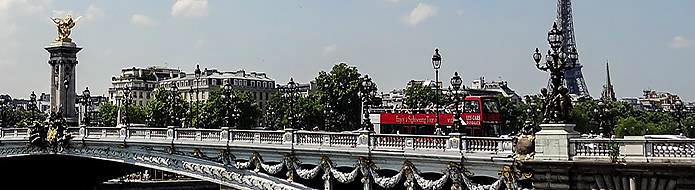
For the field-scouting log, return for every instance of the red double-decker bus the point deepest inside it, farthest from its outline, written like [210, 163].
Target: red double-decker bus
[480, 115]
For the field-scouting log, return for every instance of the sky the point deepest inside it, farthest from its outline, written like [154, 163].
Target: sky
[649, 44]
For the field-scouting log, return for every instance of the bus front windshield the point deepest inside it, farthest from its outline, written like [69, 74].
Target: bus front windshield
[490, 106]
[471, 106]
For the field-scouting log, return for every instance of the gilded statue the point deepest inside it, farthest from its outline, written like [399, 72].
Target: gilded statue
[65, 26]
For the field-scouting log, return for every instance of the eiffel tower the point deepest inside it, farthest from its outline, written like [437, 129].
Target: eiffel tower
[574, 80]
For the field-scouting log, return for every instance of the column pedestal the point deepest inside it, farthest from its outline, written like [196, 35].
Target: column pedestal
[552, 142]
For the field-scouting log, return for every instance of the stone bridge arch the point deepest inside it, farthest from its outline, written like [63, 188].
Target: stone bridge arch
[149, 158]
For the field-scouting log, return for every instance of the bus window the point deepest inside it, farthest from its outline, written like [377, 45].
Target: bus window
[471, 106]
[490, 106]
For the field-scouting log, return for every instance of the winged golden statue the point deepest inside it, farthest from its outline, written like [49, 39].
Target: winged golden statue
[65, 26]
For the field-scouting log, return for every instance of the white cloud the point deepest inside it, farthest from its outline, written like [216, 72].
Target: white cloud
[200, 44]
[190, 8]
[459, 12]
[7, 30]
[142, 20]
[93, 13]
[62, 13]
[679, 42]
[419, 14]
[329, 49]
[28, 6]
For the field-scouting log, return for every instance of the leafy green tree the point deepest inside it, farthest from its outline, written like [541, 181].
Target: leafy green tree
[213, 111]
[339, 90]
[513, 114]
[136, 114]
[107, 115]
[278, 110]
[162, 106]
[419, 96]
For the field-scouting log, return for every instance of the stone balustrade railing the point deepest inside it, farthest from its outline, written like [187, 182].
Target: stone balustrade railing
[300, 138]
[633, 149]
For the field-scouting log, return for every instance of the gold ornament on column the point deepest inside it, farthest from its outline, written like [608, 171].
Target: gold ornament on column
[65, 26]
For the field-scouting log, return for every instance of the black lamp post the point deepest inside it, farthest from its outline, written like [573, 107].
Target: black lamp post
[290, 93]
[367, 88]
[190, 106]
[86, 102]
[174, 101]
[600, 114]
[197, 106]
[34, 106]
[557, 61]
[456, 83]
[126, 101]
[436, 64]
[227, 98]
[679, 113]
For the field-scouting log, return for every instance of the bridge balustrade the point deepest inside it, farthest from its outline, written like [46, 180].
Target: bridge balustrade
[308, 138]
[633, 149]
[486, 144]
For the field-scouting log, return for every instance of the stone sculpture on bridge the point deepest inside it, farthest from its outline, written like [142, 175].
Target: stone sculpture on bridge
[50, 134]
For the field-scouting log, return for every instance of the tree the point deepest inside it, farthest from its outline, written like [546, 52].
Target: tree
[338, 92]
[162, 106]
[213, 110]
[107, 115]
[513, 114]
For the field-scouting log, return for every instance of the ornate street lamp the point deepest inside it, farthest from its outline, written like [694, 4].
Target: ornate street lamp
[436, 64]
[557, 102]
[86, 102]
[367, 88]
[679, 113]
[227, 97]
[290, 90]
[197, 106]
[174, 100]
[600, 114]
[190, 105]
[126, 101]
[456, 83]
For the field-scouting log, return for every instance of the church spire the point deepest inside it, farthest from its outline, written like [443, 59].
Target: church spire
[608, 93]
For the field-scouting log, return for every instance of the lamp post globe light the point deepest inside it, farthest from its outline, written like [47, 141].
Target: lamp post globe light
[126, 102]
[190, 106]
[174, 100]
[368, 87]
[600, 114]
[679, 113]
[436, 64]
[557, 103]
[86, 97]
[289, 92]
[227, 97]
[456, 84]
[197, 106]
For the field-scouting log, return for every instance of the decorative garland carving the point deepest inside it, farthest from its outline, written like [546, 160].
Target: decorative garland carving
[169, 157]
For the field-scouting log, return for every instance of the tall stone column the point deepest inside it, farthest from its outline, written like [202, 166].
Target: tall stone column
[63, 59]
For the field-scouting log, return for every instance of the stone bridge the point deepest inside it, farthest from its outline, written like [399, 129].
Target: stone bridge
[564, 160]
[287, 159]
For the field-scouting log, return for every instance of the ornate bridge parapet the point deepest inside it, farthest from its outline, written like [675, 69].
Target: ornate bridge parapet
[251, 158]
[632, 162]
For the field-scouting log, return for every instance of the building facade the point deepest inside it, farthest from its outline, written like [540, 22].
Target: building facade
[480, 87]
[192, 88]
[141, 81]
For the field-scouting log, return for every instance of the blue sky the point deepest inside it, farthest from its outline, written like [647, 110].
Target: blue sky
[650, 44]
